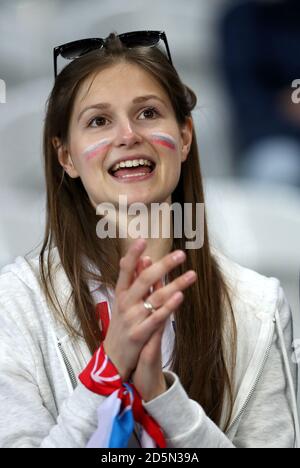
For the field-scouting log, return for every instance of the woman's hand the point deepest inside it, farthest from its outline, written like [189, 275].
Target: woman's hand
[131, 325]
[148, 376]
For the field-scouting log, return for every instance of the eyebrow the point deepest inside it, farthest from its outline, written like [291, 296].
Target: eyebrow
[137, 100]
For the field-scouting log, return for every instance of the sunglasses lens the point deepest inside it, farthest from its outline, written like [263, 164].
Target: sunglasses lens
[139, 39]
[78, 48]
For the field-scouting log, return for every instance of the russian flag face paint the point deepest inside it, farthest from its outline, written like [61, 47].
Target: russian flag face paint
[164, 139]
[96, 149]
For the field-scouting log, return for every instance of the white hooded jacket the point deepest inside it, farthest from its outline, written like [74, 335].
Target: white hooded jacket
[43, 404]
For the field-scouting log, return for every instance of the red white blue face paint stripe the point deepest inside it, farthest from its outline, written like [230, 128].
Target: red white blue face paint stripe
[165, 140]
[123, 405]
[96, 149]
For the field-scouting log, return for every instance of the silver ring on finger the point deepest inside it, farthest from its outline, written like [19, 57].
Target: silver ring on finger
[149, 307]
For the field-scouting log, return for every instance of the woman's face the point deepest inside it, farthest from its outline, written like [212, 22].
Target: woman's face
[124, 113]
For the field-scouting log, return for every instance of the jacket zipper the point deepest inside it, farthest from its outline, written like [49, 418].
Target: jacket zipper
[69, 368]
[257, 379]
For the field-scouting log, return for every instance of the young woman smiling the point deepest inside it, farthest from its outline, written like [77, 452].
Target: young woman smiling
[94, 326]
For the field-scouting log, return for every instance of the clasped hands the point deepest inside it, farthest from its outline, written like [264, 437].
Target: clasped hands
[133, 340]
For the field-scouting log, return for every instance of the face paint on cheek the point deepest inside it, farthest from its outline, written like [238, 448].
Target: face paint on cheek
[96, 149]
[165, 140]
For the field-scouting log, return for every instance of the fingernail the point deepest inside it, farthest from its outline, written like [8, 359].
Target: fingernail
[178, 296]
[179, 255]
[190, 275]
[140, 243]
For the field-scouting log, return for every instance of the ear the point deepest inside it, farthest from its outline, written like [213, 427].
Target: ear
[186, 138]
[64, 158]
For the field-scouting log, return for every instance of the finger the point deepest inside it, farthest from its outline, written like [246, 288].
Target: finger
[139, 267]
[159, 284]
[152, 275]
[128, 265]
[144, 263]
[151, 352]
[161, 295]
[156, 319]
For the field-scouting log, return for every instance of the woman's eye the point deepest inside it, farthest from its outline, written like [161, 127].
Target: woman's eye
[150, 112]
[97, 122]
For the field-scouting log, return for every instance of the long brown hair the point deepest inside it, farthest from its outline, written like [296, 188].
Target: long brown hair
[199, 354]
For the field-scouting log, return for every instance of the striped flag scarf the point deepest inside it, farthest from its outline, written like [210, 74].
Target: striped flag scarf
[123, 405]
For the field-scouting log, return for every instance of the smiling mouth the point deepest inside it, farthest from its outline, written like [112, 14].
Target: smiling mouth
[132, 172]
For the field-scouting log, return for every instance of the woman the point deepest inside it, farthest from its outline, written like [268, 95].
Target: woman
[206, 370]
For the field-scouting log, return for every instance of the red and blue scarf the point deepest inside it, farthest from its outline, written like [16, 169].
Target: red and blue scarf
[123, 406]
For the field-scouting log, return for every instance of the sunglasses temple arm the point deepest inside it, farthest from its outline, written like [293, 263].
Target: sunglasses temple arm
[169, 54]
[167, 47]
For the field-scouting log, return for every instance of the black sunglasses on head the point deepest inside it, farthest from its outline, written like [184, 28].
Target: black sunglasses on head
[75, 49]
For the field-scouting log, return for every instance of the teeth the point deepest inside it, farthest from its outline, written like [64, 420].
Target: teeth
[134, 163]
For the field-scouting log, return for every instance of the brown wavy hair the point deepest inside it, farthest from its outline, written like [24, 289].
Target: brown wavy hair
[200, 349]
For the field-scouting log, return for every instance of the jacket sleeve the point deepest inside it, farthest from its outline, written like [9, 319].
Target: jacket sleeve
[24, 419]
[183, 420]
[267, 421]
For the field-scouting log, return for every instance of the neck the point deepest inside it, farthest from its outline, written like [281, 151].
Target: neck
[156, 248]
[156, 230]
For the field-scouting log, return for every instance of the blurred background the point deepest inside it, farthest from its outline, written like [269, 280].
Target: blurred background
[240, 57]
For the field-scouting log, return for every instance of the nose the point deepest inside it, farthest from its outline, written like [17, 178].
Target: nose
[126, 135]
